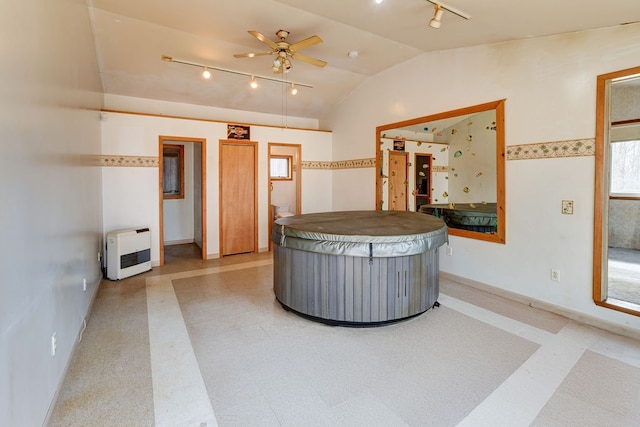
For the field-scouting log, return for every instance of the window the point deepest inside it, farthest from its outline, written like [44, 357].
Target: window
[625, 168]
[280, 167]
[173, 171]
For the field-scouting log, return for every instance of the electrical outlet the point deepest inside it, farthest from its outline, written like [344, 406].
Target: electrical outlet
[555, 275]
[54, 344]
[84, 284]
[567, 207]
[449, 250]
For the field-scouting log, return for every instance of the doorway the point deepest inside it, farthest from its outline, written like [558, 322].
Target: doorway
[182, 193]
[238, 197]
[616, 259]
[285, 181]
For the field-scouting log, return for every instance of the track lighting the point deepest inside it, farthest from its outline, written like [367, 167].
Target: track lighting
[437, 16]
[253, 77]
[294, 90]
[439, 9]
[254, 83]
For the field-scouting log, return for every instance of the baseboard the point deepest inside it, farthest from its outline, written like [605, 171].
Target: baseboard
[178, 242]
[552, 308]
[215, 256]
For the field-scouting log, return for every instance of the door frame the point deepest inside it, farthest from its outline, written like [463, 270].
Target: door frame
[254, 144]
[165, 139]
[601, 195]
[297, 168]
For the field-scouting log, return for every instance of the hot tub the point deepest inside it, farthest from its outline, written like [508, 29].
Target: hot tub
[357, 267]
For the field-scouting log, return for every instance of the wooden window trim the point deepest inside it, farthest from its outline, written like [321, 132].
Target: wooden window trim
[291, 168]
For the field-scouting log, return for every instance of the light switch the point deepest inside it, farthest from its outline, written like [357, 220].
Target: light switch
[567, 207]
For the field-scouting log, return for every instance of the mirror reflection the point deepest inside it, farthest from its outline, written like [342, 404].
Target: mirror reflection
[618, 167]
[450, 165]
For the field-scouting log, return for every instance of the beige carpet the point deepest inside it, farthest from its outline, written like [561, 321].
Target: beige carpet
[261, 363]
[478, 360]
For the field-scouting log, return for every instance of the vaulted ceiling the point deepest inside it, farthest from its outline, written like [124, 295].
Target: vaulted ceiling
[132, 36]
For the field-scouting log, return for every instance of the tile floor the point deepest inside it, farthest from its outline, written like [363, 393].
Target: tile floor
[204, 343]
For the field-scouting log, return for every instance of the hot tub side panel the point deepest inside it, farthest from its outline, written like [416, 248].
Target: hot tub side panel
[355, 289]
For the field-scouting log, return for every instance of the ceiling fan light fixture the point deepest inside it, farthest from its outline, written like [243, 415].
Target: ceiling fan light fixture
[437, 16]
[206, 73]
[285, 51]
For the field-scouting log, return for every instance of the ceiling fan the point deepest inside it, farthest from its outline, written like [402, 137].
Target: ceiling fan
[284, 51]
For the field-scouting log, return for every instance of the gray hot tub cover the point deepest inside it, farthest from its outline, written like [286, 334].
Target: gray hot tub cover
[378, 234]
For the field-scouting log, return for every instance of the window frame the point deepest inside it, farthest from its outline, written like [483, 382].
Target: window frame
[622, 195]
[173, 150]
[289, 160]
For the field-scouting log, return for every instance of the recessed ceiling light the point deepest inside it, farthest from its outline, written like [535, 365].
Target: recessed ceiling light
[353, 54]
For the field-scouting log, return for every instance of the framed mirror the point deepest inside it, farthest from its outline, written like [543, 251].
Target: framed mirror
[451, 165]
[616, 243]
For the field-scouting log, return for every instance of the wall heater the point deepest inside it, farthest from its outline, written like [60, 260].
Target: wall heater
[128, 253]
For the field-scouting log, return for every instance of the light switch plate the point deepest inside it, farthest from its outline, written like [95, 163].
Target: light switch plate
[567, 207]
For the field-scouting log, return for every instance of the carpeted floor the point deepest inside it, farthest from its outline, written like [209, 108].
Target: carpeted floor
[205, 343]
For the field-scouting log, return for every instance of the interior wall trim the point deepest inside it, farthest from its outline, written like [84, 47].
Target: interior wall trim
[553, 149]
[129, 161]
[541, 150]
[341, 164]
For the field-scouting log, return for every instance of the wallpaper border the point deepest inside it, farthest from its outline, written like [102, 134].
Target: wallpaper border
[554, 149]
[541, 150]
[129, 161]
[340, 164]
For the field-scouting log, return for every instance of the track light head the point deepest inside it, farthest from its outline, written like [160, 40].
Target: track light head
[437, 16]
[254, 83]
[294, 90]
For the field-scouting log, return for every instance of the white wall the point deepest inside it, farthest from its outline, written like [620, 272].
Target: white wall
[549, 84]
[131, 193]
[50, 197]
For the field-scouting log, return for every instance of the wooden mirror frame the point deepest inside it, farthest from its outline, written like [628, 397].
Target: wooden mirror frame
[498, 106]
[601, 214]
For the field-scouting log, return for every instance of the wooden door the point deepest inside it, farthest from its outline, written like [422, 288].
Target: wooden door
[238, 197]
[398, 181]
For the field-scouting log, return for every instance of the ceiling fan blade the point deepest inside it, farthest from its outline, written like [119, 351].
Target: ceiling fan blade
[263, 39]
[251, 55]
[304, 58]
[311, 41]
